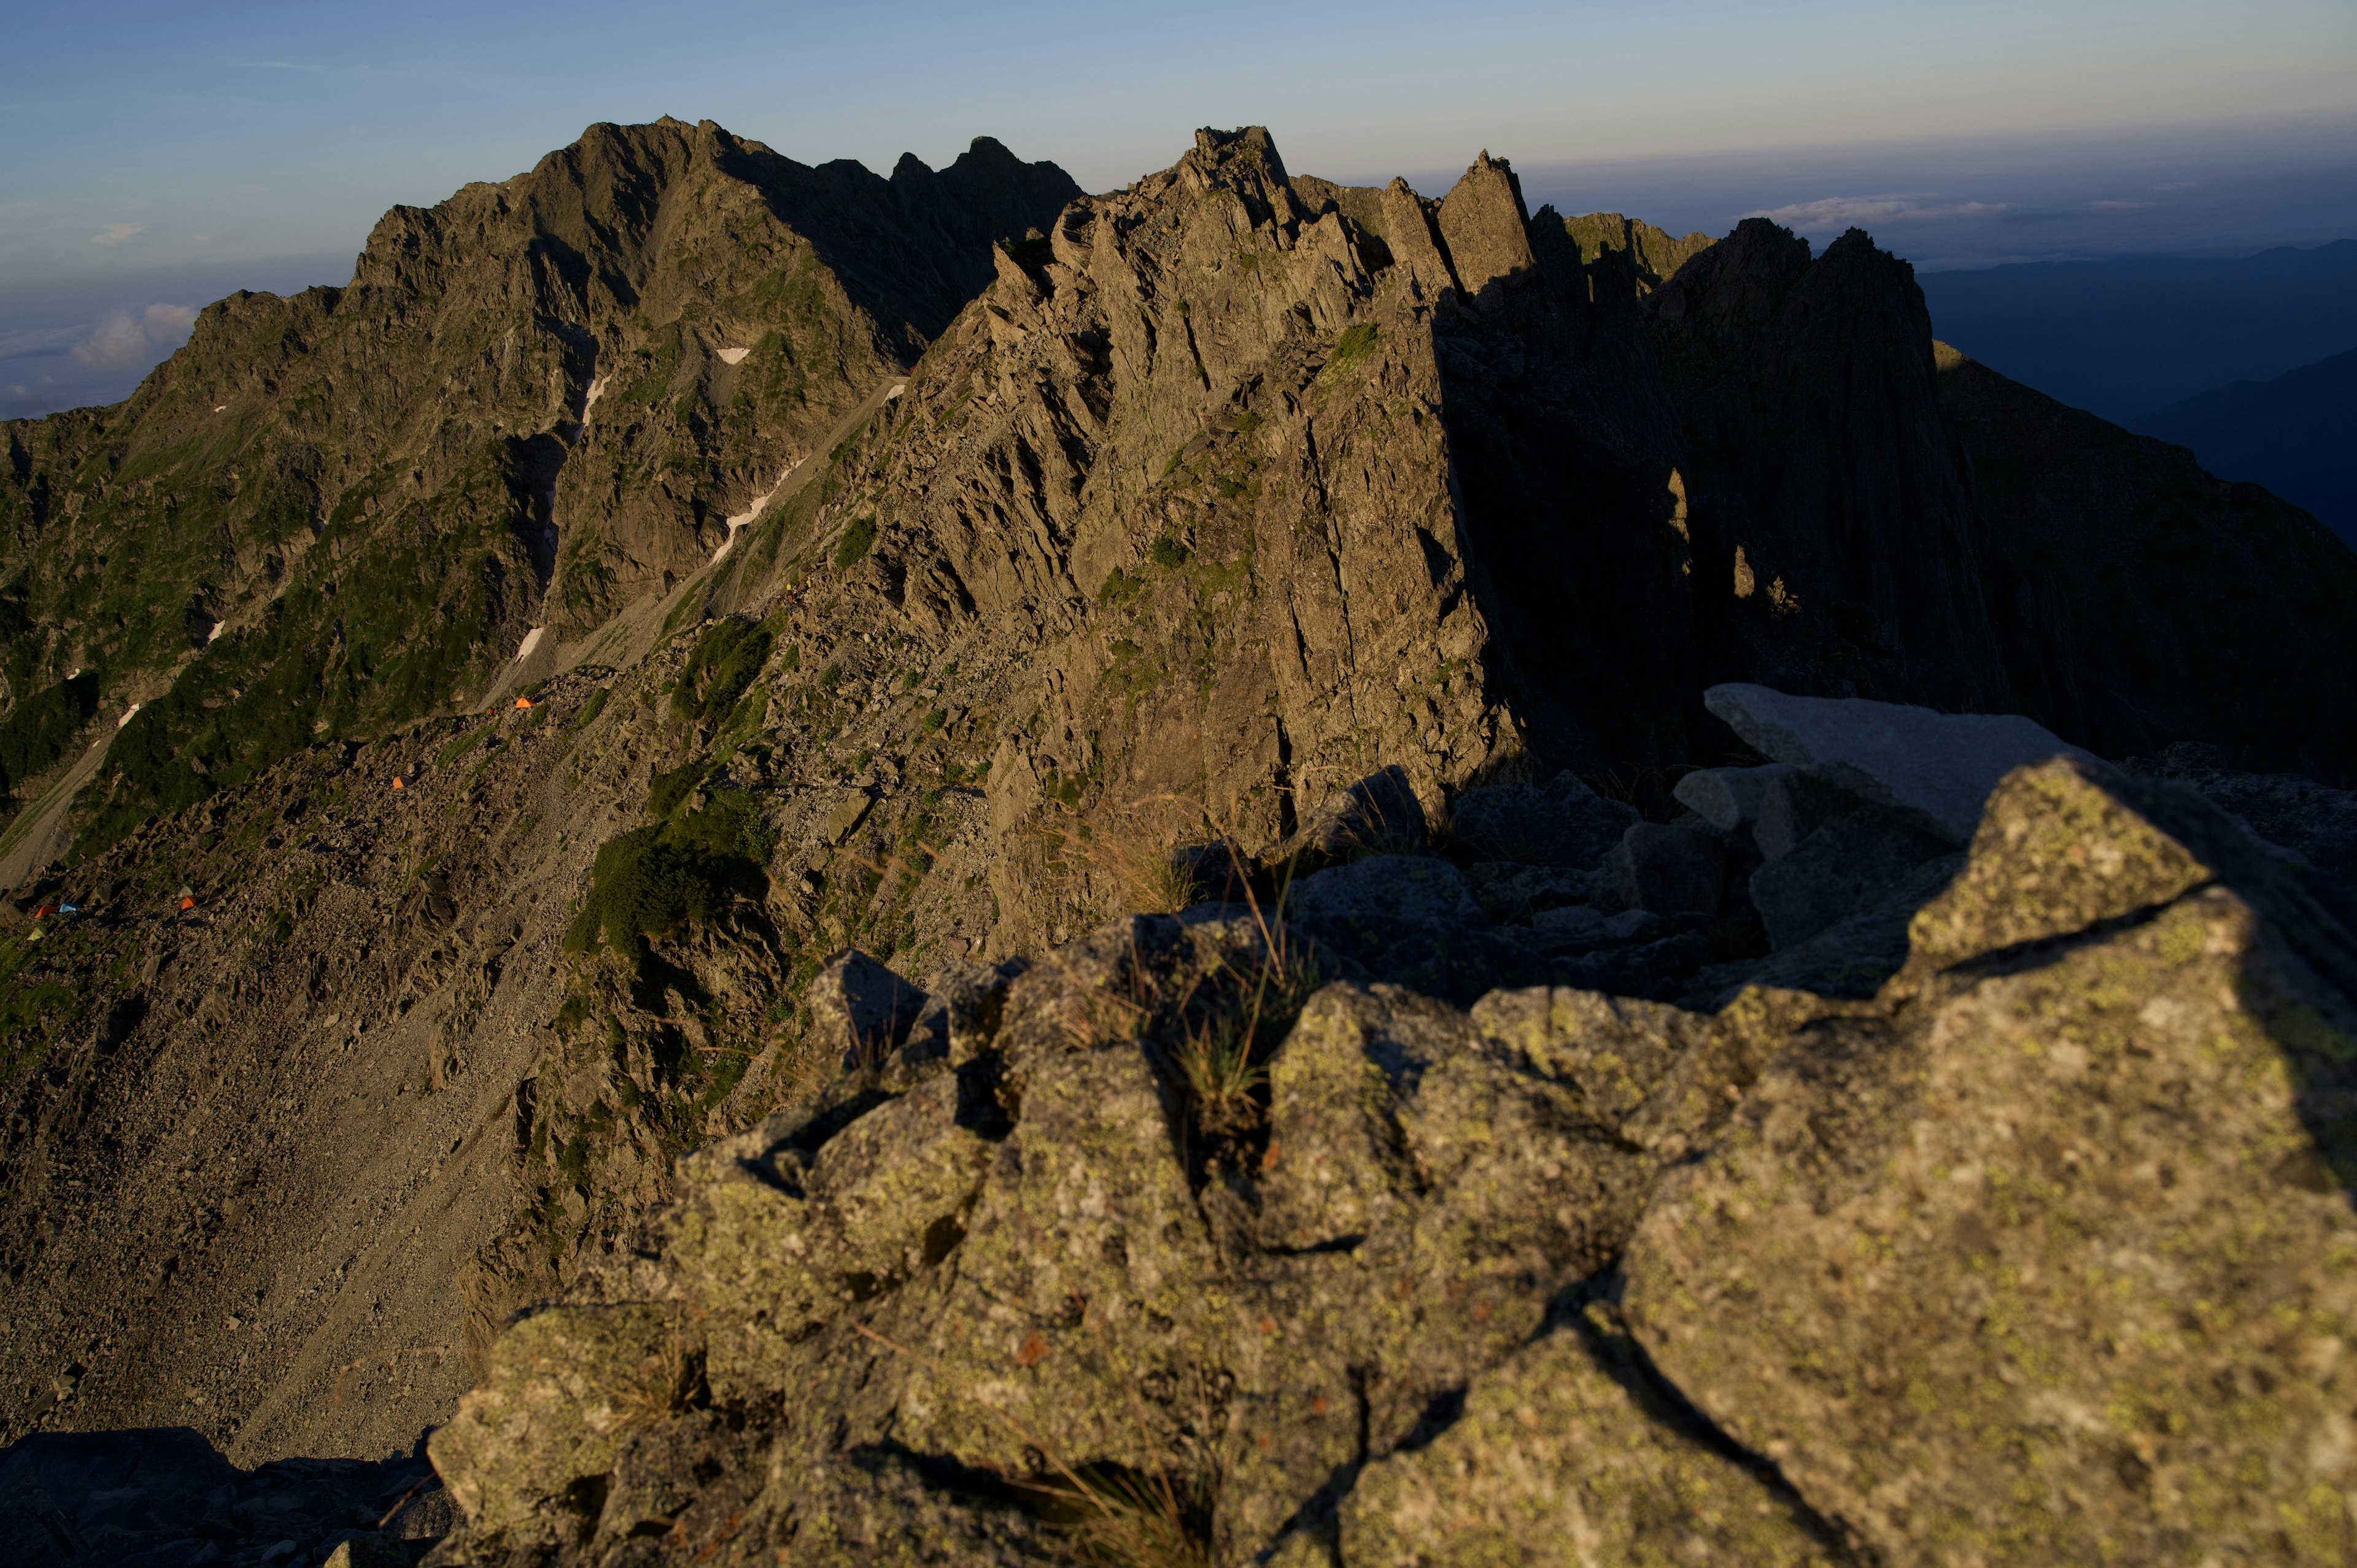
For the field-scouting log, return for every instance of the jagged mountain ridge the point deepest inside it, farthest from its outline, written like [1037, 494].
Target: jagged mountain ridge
[1218, 493]
[533, 404]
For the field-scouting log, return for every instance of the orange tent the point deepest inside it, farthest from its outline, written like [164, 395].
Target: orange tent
[396, 780]
[523, 702]
[188, 903]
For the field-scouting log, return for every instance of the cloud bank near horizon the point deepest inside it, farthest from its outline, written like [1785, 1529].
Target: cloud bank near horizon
[43, 370]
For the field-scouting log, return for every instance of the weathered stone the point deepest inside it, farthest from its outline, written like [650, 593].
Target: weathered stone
[569, 1387]
[1379, 814]
[2050, 1264]
[1726, 798]
[1409, 920]
[1482, 222]
[1844, 867]
[1936, 768]
[862, 1010]
[1615, 1050]
[1566, 823]
[1334, 1168]
[1669, 869]
[962, 1007]
[2317, 824]
[1508, 890]
[1565, 1454]
[1850, 958]
[1793, 805]
[1578, 927]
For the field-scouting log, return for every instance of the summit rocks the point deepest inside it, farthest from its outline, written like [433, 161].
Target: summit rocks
[1755, 1284]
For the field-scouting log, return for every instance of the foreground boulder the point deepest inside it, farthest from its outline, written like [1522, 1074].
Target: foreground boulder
[2040, 1254]
[2049, 1258]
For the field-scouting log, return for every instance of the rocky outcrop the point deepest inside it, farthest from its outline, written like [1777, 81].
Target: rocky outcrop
[2029, 1251]
[1845, 546]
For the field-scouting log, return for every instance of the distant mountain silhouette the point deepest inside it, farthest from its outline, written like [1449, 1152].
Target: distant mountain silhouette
[2124, 335]
[2293, 435]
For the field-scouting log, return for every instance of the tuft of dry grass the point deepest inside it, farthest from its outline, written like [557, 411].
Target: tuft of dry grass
[1132, 1521]
[1216, 1067]
[1135, 853]
[1241, 1014]
[660, 1384]
[1123, 1519]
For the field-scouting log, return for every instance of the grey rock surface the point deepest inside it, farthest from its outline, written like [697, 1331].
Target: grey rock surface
[1565, 823]
[861, 1009]
[1840, 868]
[1669, 869]
[2311, 819]
[1379, 814]
[1793, 805]
[1726, 798]
[1410, 919]
[1935, 767]
[2008, 1190]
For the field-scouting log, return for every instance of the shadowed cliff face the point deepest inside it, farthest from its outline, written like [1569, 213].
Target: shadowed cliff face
[2140, 601]
[1835, 538]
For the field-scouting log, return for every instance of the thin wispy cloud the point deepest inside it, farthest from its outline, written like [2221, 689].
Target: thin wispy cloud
[268, 65]
[117, 233]
[1841, 212]
[2118, 206]
[124, 342]
[38, 342]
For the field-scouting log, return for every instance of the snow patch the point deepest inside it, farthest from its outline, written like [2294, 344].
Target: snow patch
[734, 356]
[531, 640]
[214, 636]
[126, 716]
[896, 391]
[221, 408]
[589, 400]
[760, 502]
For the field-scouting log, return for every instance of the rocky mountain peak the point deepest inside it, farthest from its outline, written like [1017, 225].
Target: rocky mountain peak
[715, 739]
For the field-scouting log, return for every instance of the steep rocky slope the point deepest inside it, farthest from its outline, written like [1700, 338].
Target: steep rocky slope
[531, 404]
[1243, 531]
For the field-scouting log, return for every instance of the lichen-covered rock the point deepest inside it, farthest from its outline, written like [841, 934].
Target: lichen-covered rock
[861, 1010]
[569, 1387]
[1565, 1454]
[2049, 1258]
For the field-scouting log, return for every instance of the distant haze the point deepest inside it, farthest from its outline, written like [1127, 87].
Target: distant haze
[160, 155]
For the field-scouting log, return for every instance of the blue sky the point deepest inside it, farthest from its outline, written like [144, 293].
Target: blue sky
[159, 152]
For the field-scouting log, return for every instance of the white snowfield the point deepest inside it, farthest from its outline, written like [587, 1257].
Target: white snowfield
[749, 513]
[531, 640]
[214, 636]
[734, 356]
[126, 716]
[590, 400]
